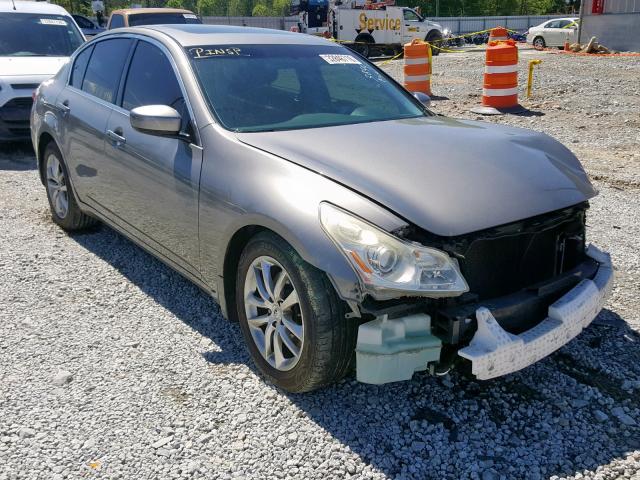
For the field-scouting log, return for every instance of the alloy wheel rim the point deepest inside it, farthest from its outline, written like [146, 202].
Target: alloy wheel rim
[273, 312]
[57, 186]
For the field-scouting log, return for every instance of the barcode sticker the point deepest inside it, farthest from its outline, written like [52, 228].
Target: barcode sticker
[52, 21]
[339, 59]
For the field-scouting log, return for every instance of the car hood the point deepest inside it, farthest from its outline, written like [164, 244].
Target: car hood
[447, 176]
[19, 66]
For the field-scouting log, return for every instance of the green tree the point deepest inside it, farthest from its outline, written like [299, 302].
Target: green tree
[212, 8]
[281, 8]
[260, 10]
[240, 8]
[174, 4]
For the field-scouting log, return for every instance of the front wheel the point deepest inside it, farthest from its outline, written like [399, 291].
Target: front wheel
[292, 321]
[539, 43]
[435, 40]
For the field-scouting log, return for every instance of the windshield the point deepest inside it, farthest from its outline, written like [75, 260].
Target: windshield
[33, 34]
[254, 88]
[162, 18]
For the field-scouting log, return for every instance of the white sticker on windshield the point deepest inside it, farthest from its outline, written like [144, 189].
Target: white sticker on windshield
[52, 21]
[340, 59]
[189, 15]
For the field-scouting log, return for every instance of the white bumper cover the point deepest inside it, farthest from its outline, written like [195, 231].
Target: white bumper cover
[494, 352]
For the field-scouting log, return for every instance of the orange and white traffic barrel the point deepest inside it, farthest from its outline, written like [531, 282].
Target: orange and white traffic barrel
[417, 67]
[498, 34]
[500, 86]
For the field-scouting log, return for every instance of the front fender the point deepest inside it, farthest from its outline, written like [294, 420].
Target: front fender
[243, 186]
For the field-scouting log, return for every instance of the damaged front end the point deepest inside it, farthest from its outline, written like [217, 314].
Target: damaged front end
[533, 285]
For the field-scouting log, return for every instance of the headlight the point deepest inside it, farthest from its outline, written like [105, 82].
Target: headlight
[386, 264]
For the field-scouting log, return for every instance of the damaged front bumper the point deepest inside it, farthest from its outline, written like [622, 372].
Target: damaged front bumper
[494, 352]
[393, 349]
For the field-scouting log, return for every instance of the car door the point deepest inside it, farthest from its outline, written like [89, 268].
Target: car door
[84, 106]
[154, 179]
[566, 31]
[553, 34]
[411, 25]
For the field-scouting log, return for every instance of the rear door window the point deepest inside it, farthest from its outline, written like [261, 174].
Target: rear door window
[79, 67]
[105, 68]
[83, 22]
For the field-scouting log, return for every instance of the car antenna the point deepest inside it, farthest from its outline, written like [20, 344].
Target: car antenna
[14, 4]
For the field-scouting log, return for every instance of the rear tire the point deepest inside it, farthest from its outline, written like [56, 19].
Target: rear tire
[363, 45]
[322, 349]
[64, 208]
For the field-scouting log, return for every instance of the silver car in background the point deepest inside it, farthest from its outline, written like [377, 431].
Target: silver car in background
[324, 207]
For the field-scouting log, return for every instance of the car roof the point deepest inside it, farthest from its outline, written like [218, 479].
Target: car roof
[135, 11]
[195, 34]
[573, 19]
[23, 6]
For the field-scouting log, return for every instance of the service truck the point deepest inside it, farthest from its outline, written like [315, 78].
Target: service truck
[368, 29]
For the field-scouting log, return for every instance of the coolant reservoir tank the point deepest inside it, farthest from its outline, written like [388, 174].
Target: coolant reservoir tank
[392, 350]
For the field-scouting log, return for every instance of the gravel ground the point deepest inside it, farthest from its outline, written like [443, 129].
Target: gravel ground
[113, 366]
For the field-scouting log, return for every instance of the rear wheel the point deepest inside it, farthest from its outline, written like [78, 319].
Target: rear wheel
[292, 321]
[64, 208]
[539, 43]
[363, 45]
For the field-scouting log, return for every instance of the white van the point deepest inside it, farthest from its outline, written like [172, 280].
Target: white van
[36, 39]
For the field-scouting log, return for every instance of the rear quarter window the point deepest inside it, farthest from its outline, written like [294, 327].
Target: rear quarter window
[116, 21]
[79, 67]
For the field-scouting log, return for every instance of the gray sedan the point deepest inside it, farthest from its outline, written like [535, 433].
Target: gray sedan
[323, 206]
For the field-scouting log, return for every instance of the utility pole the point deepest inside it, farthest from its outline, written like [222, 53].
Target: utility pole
[581, 20]
[437, 8]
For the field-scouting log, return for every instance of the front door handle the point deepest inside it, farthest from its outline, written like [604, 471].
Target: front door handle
[116, 137]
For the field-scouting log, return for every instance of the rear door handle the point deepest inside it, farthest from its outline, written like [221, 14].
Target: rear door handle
[118, 139]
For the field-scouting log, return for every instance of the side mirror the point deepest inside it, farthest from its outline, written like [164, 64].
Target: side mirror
[156, 120]
[423, 98]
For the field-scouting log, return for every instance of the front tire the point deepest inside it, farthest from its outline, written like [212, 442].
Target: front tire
[64, 208]
[435, 40]
[539, 43]
[292, 320]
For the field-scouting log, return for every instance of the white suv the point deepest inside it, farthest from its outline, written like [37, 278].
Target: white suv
[36, 39]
